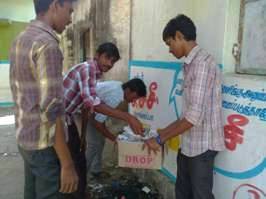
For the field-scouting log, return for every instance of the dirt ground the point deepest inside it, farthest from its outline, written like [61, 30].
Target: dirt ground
[119, 180]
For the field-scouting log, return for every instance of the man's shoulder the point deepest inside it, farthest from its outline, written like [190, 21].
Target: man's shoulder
[37, 41]
[204, 57]
[109, 88]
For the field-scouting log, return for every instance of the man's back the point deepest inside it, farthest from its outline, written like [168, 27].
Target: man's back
[31, 77]
[202, 104]
[111, 93]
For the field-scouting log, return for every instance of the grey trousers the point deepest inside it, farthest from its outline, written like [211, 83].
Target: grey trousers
[195, 176]
[95, 146]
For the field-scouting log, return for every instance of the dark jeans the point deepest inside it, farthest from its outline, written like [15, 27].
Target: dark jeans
[42, 174]
[79, 159]
[195, 176]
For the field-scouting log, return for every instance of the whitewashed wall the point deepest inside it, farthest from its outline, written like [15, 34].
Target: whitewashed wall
[150, 17]
[209, 17]
[148, 20]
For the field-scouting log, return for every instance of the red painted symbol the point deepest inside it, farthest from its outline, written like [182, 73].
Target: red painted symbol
[150, 100]
[248, 191]
[232, 131]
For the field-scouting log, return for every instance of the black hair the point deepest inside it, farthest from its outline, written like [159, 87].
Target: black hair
[180, 23]
[43, 5]
[109, 49]
[136, 85]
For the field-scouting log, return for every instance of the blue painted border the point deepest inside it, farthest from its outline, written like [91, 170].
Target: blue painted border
[6, 104]
[245, 174]
[168, 174]
[4, 62]
[154, 64]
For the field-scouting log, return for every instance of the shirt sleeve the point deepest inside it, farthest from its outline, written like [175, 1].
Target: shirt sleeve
[200, 91]
[87, 86]
[49, 73]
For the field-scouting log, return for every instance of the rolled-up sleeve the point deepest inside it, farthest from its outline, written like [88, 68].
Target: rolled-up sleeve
[51, 83]
[199, 93]
[87, 86]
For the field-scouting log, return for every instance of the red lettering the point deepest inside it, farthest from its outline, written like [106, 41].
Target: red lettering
[135, 159]
[138, 159]
[152, 97]
[232, 131]
[150, 159]
[128, 158]
[142, 160]
[150, 100]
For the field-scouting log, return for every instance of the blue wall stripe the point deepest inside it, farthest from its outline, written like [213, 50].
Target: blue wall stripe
[6, 104]
[245, 174]
[155, 64]
[168, 174]
[4, 62]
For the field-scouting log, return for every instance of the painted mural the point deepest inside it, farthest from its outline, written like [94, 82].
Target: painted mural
[240, 170]
[162, 104]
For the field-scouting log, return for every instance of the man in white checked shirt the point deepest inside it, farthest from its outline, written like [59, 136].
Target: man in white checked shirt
[200, 124]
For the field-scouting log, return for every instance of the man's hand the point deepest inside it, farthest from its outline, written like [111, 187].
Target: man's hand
[69, 179]
[113, 138]
[152, 145]
[68, 175]
[135, 125]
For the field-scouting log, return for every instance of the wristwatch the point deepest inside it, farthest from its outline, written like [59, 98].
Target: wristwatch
[158, 140]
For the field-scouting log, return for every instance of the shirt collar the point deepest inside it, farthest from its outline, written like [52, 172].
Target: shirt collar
[188, 59]
[98, 72]
[41, 25]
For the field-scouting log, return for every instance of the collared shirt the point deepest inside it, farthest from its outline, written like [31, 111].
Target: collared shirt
[202, 104]
[37, 85]
[79, 86]
[111, 93]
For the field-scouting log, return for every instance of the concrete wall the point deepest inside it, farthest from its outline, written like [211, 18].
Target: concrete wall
[150, 17]
[209, 17]
[103, 20]
[148, 20]
[231, 34]
[136, 27]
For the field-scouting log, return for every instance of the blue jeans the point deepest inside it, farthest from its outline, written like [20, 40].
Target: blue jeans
[42, 174]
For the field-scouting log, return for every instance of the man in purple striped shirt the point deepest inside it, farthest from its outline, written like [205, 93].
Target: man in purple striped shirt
[37, 88]
[200, 124]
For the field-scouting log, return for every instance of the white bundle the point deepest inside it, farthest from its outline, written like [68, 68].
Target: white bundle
[129, 135]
